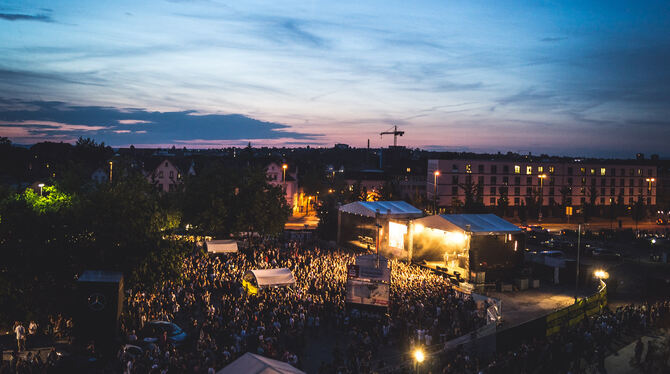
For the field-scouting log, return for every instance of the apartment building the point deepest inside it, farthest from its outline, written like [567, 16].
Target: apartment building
[549, 180]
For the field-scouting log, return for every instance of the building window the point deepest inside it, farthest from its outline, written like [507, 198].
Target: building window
[166, 164]
[602, 201]
[468, 168]
[493, 190]
[454, 179]
[160, 186]
[494, 180]
[480, 180]
[529, 181]
[612, 191]
[649, 172]
[517, 180]
[503, 190]
[454, 190]
[639, 171]
[613, 172]
[582, 200]
[612, 182]
[529, 170]
[621, 191]
[505, 169]
[492, 201]
[551, 170]
[569, 181]
[505, 181]
[569, 171]
[529, 191]
[603, 182]
[551, 191]
[583, 181]
[593, 181]
[517, 169]
[602, 171]
[630, 191]
[160, 174]
[516, 201]
[517, 190]
[171, 187]
[631, 182]
[602, 191]
[494, 169]
[171, 174]
[454, 168]
[649, 201]
[582, 171]
[582, 190]
[480, 169]
[631, 172]
[540, 169]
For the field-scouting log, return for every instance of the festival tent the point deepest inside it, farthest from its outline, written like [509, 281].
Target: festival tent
[250, 363]
[391, 209]
[221, 246]
[271, 277]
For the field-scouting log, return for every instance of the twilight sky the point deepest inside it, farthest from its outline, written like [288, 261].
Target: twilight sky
[561, 77]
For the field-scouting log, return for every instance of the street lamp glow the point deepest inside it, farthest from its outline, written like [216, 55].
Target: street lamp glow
[437, 173]
[40, 186]
[419, 355]
[601, 274]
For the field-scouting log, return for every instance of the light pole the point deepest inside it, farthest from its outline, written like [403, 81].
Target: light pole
[110, 172]
[284, 167]
[579, 237]
[40, 186]
[650, 181]
[542, 177]
[435, 174]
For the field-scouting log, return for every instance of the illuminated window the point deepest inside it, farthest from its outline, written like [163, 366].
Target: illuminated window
[551, 170]
[468, 168]
[540, 169]
[517, 169]
[593, 171]
[529, 170]
[408, 170]
[582, 170]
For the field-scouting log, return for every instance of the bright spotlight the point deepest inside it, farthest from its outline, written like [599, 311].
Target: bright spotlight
[601, 274]
[418, 228]
[419, 356]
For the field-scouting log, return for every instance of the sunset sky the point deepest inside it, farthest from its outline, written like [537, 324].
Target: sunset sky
[561, 77]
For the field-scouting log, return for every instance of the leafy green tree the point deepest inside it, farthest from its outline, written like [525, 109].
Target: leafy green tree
[503, 203]
[474, 202]
[638, 211]
[327, 212]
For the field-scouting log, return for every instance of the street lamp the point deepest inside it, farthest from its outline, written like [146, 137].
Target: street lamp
[110, 172]
[542, 178]
[650, 181]
[419, 357]
[284, 167]
[40, 186]
[579, 239]
[435, 174]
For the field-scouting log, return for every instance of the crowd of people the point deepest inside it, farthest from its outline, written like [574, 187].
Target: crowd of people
[579, 349]
[28, 334]
[223, 321]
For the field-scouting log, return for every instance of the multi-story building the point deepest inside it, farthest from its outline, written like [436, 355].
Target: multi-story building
[551, 181]
[275, 174]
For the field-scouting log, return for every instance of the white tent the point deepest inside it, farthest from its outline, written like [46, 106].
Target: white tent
[390, 209]
[271, 277]
[221, 246]
[250, 363]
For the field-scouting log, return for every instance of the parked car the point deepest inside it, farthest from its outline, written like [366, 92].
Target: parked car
[154, 329]
[554, 254]
[606, 253]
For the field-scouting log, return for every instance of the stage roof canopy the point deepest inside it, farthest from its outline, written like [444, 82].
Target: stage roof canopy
[221, 246]
[396, 209]
[254, 364]
[273, 277]
[479, 224]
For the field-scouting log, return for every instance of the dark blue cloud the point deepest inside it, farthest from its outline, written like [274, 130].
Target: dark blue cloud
[26, 17]
[121, 126]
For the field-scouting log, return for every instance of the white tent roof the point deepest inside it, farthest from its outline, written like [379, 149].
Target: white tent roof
[479, 224]
[273, 277]
[398, 209]
[250, 363]
[221, 246]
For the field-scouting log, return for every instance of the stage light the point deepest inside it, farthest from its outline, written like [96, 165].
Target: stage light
[455, 237]
[418, 228]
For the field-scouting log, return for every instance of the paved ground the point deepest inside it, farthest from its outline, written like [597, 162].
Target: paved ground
[301, 222]
[622, 361]
[522, 306]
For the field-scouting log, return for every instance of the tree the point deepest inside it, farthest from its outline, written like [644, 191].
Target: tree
[503, 203]
[327, 211]
[473, 197]
[566, 193]
[638, 211]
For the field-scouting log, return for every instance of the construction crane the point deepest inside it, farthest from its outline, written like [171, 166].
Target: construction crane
[395, 134]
